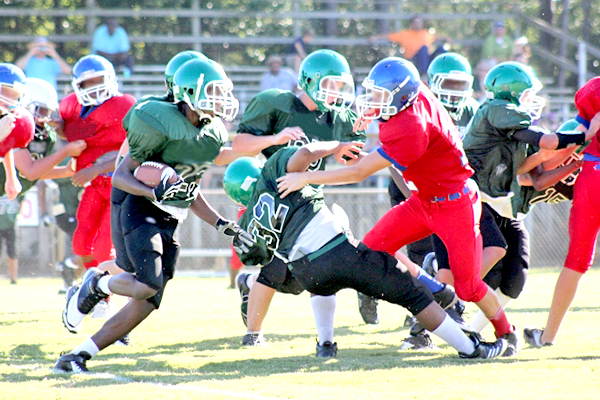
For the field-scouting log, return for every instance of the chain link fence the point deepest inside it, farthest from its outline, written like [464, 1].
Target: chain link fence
[204, 250]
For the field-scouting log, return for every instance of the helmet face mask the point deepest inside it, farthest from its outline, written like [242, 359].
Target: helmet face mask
[375, 103]
[94, 80]
[336, 92]
[531, 102]
[219, 100]
[452, 89]
[40, 99]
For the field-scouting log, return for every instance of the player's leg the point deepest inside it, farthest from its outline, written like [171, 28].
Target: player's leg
[323, 308]
[584, 225]
[88, 222]
[11, 254]
[103, 249]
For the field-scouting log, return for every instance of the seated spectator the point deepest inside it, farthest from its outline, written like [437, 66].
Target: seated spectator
[298, 50]
[483, 67]
[111, 42]
[278, 77]
[415, 43]
[43, 62]
[521, 50]
[497, 47]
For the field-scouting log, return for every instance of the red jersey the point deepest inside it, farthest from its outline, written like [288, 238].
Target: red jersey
[423, 142]
[101, 128]
[587, 101]
[21, 134]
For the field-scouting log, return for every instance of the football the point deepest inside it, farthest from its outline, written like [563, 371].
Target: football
[151, 173]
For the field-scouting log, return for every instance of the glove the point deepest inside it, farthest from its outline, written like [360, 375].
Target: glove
[166, 190]
[241, 240]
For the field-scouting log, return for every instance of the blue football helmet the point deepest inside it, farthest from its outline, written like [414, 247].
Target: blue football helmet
[94, 66]
[12, 78]
[391, 86]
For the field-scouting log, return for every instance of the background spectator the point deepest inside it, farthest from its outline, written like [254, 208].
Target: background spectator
[415, 43]
[483, 67]
[278, 77]
[497, 47]
[298, 51]
[521, 50]
[43, 62]
[111, 42]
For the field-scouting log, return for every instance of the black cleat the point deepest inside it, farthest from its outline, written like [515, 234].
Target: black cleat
[409, 320]
[72, 363]
[124, 341]
[70, 293]
[486, 350]
[253, 339]
[533, 337]
[89, 294]
[327, 350]
[446, 297]
[416, 328]
[514, 343]
[367, 306]
[419, 341]
[245, 295]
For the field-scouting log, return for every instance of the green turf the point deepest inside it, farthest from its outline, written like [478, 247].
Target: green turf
[190, 349]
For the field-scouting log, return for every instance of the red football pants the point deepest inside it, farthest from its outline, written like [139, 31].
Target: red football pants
[235, 262]
[92, 236]
[584, 221]
[455, 222]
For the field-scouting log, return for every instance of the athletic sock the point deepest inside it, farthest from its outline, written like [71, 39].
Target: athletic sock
[103, 284]
[323, 308]
[480, 322]
[454, 336]
[429, 281]
[501, 324]
[88, 346]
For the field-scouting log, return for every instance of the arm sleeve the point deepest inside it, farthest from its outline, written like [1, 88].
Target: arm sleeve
[532, 135]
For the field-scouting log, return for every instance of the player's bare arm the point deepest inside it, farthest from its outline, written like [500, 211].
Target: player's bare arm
[12, 186]
[312, 152]
[251, 145]
[123, 179]
[34, 169]
[356, 173]
[227, 155]
[103, 165]
[540, 179]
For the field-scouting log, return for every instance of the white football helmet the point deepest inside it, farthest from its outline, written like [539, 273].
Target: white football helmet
[40, 99]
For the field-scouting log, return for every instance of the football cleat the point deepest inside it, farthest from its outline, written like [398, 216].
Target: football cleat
[253, 339]
[367, 306]
[409, 320]
[514, 343]
[430, 265]
[326, 350]
[486, 350]
[73, 328]
[419, 341]
[446, 297]
[102, 310]
[245, 295]
[72, 363]
[416, 328]
[456, 312]
[533, 337]
[124, 341]
[81, 303]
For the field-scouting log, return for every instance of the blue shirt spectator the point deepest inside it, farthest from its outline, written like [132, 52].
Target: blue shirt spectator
[111, 42]
[43, 62]
[278, 77]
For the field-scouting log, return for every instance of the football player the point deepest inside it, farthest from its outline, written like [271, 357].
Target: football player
[420, 139]
[584, 220]
[301, 233]
[188, 136]
[94, 113]
[496, 145]
[16, 124]
[275, 119]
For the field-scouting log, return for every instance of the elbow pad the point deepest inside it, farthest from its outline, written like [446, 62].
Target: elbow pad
[570, 139]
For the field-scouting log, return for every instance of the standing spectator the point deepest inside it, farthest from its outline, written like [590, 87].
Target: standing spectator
[483, 67]
[297, 50]
[497, 47]
[521, 50]
[415, 43]
[43, 62]
[111, 42]
[8, 233]
[277, 77]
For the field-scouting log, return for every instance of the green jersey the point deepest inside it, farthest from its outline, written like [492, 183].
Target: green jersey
[269, 112]
[159, 131]
[69, 194]
[274, 222]
[492, 152]
[41, 146]
[463, 116]
[9, 209]
[526, 196]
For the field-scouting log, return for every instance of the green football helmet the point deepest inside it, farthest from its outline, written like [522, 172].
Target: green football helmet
[325, 76]
[204, 86]
[568, 126]
[177, 61]
[240, 179]
[450, 79]
[516, 83]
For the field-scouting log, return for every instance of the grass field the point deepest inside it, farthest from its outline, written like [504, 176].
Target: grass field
[190, 349]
